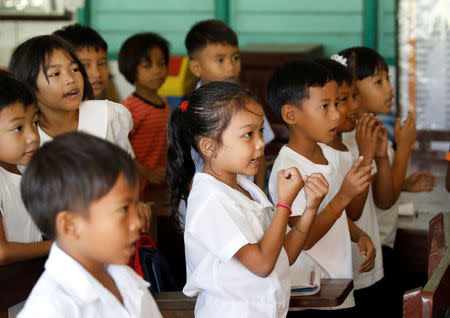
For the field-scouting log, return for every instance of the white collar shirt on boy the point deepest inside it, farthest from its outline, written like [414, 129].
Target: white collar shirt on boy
[66, 289]
[332, 253]
[219, 221]
[104, 119]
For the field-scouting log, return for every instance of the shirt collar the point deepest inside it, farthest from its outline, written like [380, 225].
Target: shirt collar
[81, 285]
[260, 200]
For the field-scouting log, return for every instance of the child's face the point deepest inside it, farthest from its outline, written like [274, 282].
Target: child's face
[61, 87]
[151, 74]
[347, 107]
[19, 137]
[108, 231]
[217, 62]
[96, 64]
[317, 118]
[375, 93]
[242, 146]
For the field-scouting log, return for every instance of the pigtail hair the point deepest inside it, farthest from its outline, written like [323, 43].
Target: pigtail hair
[180, 165]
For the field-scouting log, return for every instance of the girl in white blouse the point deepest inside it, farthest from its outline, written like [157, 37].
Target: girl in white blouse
[237, 250]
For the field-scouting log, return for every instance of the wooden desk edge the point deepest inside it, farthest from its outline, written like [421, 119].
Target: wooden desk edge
[178, 301]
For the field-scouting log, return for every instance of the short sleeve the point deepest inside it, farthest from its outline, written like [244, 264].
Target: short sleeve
[220, 226]
[120, 124]
[299, 204]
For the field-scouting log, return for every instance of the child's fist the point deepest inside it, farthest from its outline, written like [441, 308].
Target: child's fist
[419, 181]
[367, 249]
[406, 134]
[366, 136]
[316, 188]
[356, 180]
[145, 215]
[382, 143]
[290, 183]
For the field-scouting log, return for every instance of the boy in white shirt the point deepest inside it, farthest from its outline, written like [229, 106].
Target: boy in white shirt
[83, 192]
[20, 239]
[305, 97]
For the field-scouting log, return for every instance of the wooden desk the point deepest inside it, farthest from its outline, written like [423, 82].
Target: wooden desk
[332, 293]
[17, 281]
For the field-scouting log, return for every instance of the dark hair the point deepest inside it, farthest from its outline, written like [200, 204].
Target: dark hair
[363, 61]
[339, 72]
[135, 49]
[208, 113]
[71, 172]
[13, 91]
[209, 32]
[32, 55]
[81, 36]
[290, 83]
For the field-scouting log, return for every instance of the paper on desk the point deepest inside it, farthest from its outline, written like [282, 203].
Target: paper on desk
[406, 208]
[306, 281]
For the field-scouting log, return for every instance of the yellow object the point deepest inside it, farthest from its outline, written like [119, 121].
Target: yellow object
[180, 81]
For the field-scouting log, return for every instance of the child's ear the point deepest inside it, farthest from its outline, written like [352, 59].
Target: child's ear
[207, 146]
[288, 114]
[68, 224]
[195, 67]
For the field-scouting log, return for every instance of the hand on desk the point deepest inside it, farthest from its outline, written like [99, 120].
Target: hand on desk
[145, 214]
[419, 181]
[366, 248]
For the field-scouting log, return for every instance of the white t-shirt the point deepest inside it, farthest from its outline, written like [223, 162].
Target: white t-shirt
[219, 221]
[368, 223]
[17, 223]
[332, 253]
[66, 289]
[387, 219]
[104, 119]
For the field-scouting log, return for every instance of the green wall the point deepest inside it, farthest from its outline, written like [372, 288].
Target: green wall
[336, 24]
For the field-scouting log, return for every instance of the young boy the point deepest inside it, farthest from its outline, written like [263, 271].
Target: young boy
[371, 143]
[91, 49]
[94, 222]
[143, 60]
[213, 51]
[20, 239]
[305, 97]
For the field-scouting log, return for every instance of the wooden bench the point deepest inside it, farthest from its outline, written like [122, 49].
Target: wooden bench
[332, 293]
[17, 281]
[433, 300]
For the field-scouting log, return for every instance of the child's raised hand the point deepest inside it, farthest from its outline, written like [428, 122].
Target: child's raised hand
[356, 180]
[156, 175]
[382, 142]
[366, 136]
[367, 249]
[419, 181]
[290, 183]
[406, 134]
[316, 188]
[145, 215]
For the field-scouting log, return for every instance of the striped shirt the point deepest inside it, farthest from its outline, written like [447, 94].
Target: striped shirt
[149, 134]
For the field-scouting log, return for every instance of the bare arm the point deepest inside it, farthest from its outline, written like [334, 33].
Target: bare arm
[11, 252]
[365, 246]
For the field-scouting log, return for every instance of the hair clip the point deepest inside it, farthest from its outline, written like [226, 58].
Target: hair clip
[339, 58]
[184, 106]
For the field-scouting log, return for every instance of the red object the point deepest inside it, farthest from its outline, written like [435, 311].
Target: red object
[284, 206]
[144, 241]
[184, 106]
[175, 65]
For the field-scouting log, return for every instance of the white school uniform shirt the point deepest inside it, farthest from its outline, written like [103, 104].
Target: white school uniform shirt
[219, 221]
[17, 223]
[332, 253]
[66, 289]
[387, 219]
[368, 223]
[104, 119]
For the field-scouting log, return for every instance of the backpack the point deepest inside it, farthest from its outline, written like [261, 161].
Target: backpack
[152, 266]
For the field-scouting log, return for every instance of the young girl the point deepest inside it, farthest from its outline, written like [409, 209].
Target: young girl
[53, 71]
[371, 75]
[51, 68]
[237, 250]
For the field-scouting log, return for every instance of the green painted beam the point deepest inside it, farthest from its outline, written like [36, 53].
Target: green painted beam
[223, 10]
[370, 23]
[84, 14]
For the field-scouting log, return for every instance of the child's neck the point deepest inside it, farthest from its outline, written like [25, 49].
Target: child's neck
[337, 143]
[97, 269]
[55, 123]
[10, 167]
[305, 146]
[230, 179]
[150, 95]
